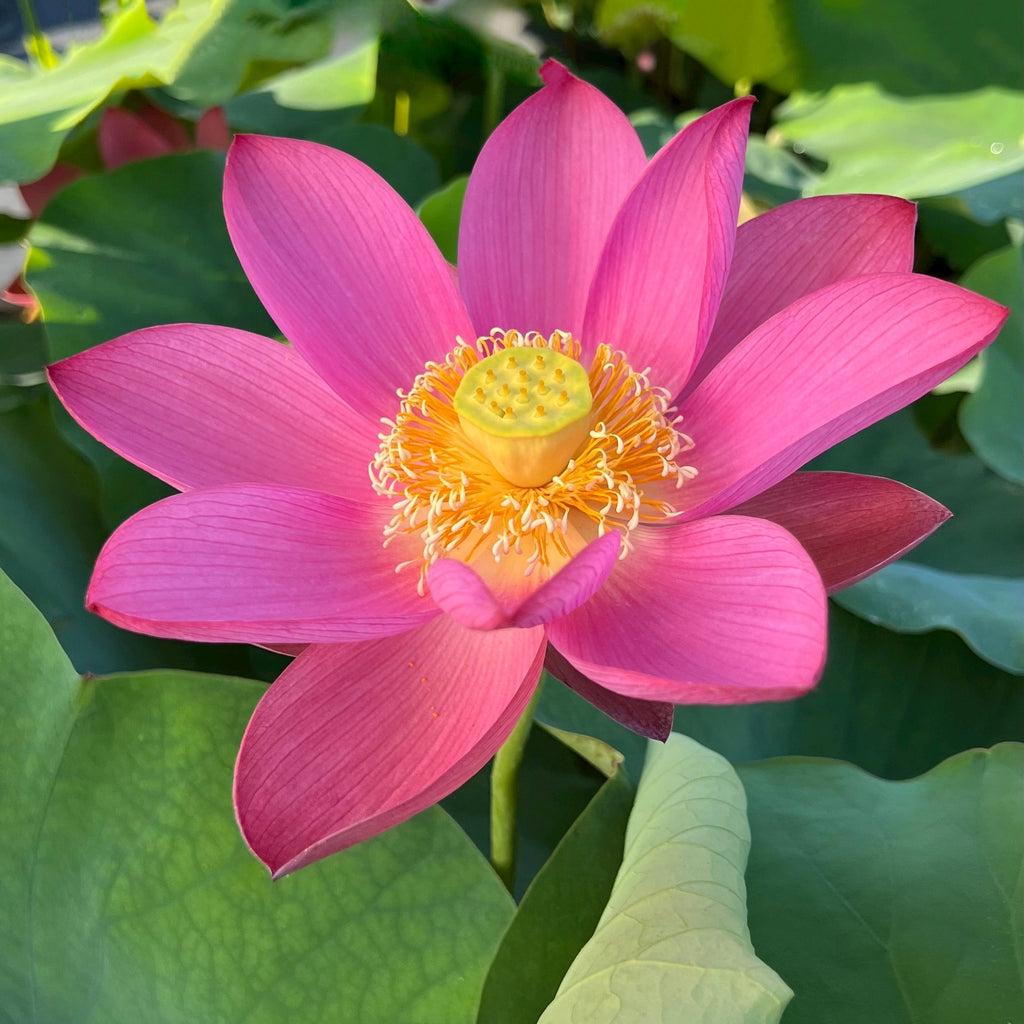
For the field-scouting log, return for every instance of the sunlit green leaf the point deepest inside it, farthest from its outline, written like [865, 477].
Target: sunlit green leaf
[991, 417]
[299, 102]
[204, 47]
[746, 41]
[127, 894]
[672, 944]
[890, 902]
[910, 147]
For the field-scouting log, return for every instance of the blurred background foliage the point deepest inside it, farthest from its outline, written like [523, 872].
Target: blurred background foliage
[914, 98]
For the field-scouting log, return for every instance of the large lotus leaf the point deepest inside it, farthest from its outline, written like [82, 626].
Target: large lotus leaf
[910, 147]
[51, 530]
[896, 704]
[739, 41]
[991, 418]
[912, 598]
[205, 47]
[908, 46]
[235, 43]
[127, 894]
[995, 200]
[984, 540]
[952, 232]
[22, 358]
[39, 106]
[890, 902]
[672, 944]
[120, 250]
[985, 535]
[559, 911]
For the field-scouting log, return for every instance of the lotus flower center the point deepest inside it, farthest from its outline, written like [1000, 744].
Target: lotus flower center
[527, 411]
[511, 456]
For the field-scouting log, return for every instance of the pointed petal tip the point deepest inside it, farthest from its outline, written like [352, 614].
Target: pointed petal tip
[322, 768]
[555, 73]
[459, 591]
[647, 718]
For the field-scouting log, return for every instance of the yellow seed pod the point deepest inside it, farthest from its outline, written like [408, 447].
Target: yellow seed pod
[507, 409]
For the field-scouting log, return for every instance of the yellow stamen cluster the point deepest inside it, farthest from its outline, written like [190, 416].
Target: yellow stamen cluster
[450, 494]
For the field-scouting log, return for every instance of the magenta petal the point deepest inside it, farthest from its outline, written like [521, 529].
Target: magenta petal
[850, 525]
[539, 204]
[200, 406]
[800, 247]
[355, 738]
[822, 369]
[722, 611]
[649, 718]
[265, 565]
[343, 266]
[658, 285]
[459, 591]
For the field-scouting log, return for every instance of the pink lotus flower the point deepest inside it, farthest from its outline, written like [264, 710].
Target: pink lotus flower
[533, 493]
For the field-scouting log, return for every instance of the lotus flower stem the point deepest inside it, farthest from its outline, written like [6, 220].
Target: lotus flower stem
[504, 785]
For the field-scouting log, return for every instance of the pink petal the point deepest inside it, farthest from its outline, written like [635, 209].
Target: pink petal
[355, 738]
[822, 369]
[124, 138]
[213, 130]
[265, 565]
[539, 204]
[459, 591]
[649, 718]
[572, 585]
[343, 266]
[200, 406]
[800, 247]
[850, 525]
[657, 288]
[722, 611]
